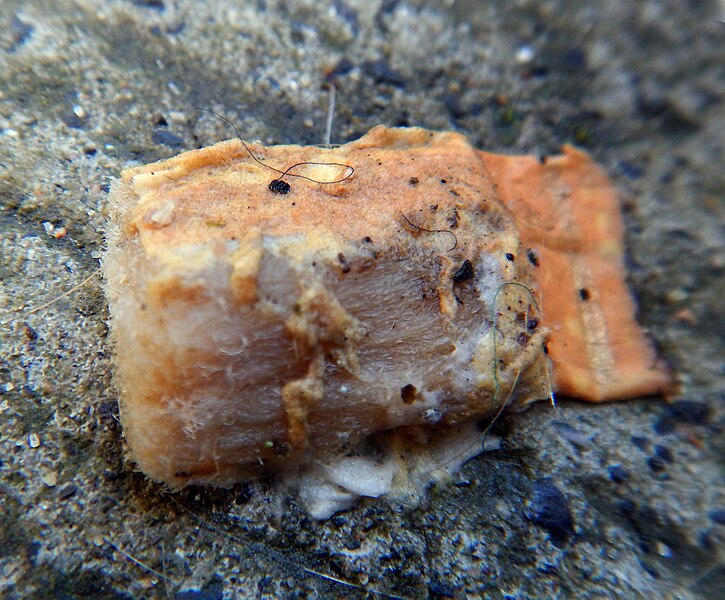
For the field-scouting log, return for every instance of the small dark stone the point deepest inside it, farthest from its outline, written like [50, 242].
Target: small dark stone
[690, 411]
[244, 495]
[640, 441]
[108, 410]
[664, 453]
[343, 67]
[718, 516]
[585, 294]
[455, 106]
[550, 511]
[338, 520]
[175, 28]
[510, 257]
[656, 464]
[618, 474]
[156, 4]
[707, 541]
[548, 569]
[161, 122]
[630, 170]
[72, 120]
[381, 72]
[650, 569]
[67, 492]
[533, 259]
[160, 136]
[664, 425]
[413, 181]
[90, 151]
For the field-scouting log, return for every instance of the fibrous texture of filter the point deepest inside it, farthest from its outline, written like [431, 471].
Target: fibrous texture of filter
[263, 331]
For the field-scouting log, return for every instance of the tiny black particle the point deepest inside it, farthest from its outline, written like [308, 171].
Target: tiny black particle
[510, 256]
[464, 272]
[279, 187]
[533, 259]
[413, 181]
[585, 294]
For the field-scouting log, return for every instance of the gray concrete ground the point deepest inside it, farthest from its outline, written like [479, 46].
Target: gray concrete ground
[623, 500]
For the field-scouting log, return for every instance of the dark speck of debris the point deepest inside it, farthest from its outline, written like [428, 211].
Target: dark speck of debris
[413, 181]
[157, 4]
[510, 257]
[718, 516]
[656, 464]
[664, 425]
[550, 511]
[650, 569]
[548, 569]
[585, 294]
[455, 106]
[339, 520]
[381, 72]
[165, 137]
[67, 492]
[175, 28]
[618, 474]
[367, 239]
[664, 453]
[71, 119]
[690, 411]
[343, 67]
[464, 272]
[684, 411]
[30, 334]
[630, 170]
[640, 441]
[706, 540]
[278, 186]
[343, 262]
[533, 259]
